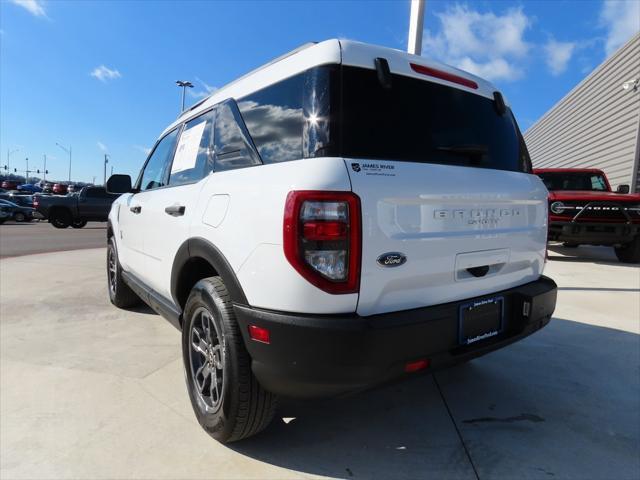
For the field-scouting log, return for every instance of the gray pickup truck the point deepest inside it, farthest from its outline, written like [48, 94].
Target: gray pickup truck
[92, 204]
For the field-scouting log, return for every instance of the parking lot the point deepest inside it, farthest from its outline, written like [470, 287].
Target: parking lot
[26, 238]
[89, 391]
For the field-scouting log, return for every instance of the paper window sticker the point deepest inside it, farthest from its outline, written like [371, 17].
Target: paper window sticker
[188, 147]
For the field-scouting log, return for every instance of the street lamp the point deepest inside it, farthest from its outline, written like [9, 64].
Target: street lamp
[68, 150]
[106, 160]
[184, 84]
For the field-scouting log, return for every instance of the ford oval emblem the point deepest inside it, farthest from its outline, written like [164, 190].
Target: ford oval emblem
[392, 259]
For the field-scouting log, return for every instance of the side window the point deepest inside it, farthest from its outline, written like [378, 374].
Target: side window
[155, 170]
[275, 119]
[96, 193]
[597, 183]
[193, 159]
[233, 149]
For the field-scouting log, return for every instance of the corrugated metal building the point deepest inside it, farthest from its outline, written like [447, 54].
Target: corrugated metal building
[597, 124]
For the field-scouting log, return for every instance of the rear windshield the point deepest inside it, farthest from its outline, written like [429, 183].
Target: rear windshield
[574, 181]
[421, 121]
[343, 111]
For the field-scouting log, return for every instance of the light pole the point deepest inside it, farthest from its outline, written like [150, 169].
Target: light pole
[184, 84]
[106, 160]
[416, 24]
[26, 172]
[9, 153]
[68, 150]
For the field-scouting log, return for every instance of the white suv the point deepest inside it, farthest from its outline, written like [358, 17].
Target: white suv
[343, 216]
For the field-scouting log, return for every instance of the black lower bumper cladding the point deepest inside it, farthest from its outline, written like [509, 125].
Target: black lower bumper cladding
[329, 355]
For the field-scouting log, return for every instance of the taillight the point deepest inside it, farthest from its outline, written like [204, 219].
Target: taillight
[322, 238]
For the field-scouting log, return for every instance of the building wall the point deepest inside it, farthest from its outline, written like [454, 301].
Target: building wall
[596, 124]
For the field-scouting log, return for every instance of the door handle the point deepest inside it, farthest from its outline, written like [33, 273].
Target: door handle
[136, 209]
[175, 210]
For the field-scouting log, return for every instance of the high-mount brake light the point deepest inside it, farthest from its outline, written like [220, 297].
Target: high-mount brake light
[442, 75]
[322, 238]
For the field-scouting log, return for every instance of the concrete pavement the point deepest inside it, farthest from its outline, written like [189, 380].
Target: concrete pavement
[26, 238]
[90, 391]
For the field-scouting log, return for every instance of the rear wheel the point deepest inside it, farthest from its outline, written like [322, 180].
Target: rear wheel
[629, 253]
[79, 223]
[120, 293]
[228, 401]
[19, 217]
[60, 218]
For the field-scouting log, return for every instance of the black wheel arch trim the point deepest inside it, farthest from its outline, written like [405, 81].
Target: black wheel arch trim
[199, 247]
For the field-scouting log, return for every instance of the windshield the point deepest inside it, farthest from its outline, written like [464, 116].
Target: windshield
[421, 121]
[574, 181]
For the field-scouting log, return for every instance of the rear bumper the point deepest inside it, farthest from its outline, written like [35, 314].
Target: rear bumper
[595, 233]
[328, 355]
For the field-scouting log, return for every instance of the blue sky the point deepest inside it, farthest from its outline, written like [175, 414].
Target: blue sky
[99, 75]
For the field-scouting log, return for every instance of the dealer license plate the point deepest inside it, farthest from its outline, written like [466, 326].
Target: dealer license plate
[481, 320]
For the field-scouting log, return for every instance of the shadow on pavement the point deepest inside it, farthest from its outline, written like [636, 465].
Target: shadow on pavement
[562, 403]
[586, 254]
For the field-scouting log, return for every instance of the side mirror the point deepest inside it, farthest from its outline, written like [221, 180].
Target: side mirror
[119, 184]
[623, 189]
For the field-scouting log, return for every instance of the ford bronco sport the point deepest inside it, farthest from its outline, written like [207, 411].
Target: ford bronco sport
[343, 216]
[583, 210]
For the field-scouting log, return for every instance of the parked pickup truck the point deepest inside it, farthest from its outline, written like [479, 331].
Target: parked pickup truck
[92, 204]
[584, 210]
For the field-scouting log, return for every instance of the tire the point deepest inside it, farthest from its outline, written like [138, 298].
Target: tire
[19, 217]
[570, 245]
[79, 223]
[629, 253]
[60, 218]
[120, 293]
[239, 407]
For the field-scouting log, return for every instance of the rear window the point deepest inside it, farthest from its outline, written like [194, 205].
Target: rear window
[588, 181]
[421, 121]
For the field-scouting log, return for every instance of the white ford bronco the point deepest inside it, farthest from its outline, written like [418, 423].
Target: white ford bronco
[343, 216]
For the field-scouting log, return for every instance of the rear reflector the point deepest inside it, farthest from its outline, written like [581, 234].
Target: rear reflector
[417, 365]
[259, 334]
[442, 75]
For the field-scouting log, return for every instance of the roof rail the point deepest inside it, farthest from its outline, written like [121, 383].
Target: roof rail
[275, 60]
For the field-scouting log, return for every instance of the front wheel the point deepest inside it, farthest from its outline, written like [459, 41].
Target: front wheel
[120, 293]
[79, 223]
[228, 401]
[629, 253]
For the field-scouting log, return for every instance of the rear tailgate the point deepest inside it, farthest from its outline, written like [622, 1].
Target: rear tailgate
[464, 231]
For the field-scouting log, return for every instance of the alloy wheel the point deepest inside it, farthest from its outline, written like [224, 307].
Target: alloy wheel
[112, 270]
[207, 359]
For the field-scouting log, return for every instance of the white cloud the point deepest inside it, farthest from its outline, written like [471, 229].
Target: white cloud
[102, 147]
[621, 19]
[34, 7]
[495, 69]
[103, 73]
[140, 148]
[205, 91]
[487, 44]
[558, 55]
